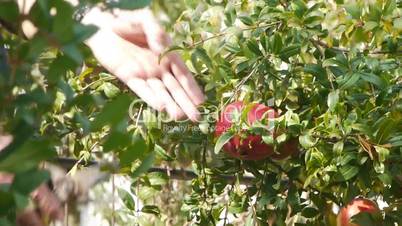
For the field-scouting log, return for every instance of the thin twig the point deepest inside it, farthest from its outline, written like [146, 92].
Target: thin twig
[226, 33]
[175, 174]
[227, 203]
[345, 50]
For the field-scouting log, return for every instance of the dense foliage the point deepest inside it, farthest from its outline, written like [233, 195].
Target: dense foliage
[332, 69]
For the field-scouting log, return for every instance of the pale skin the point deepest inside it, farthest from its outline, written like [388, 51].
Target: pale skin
[128, 44]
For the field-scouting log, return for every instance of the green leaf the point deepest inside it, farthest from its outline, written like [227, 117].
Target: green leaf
[252, 45]
[333, 98]
[289, 51]
[374, 79]
[109, 89]
[348, 171]
[338, 147]
[366, 219]
[30, 153]
[25, 182]
[116, 141]
[112, 113]
[201, 54]
[146, 164]
[133, 152]
[151, 209]
[246, 20]
[6, 202]
[129, 4]
[383, 153]
[319, 72]
[127, 199]
[9, 10]
[354, 10]
[350, 80]
[310, 212]
[157, 178]
[276, 43]
[162, 153]
[299, 7]
[307, 141]
[222, 140]
[83, 32]
[145, 193]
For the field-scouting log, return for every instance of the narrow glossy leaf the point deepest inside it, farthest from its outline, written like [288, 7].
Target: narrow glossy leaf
[374, 79]
[146, 164]
[201, 54]
[333, 98]
[26, 182]
[157, 178]
[246, 20]
[354, 10]
[252, 45]
[350, 80]
[222, 140]
[307, 141]
[383, 153]
[151, 209]
[348, 171]
[112, 113]
[289, 51]
[127, 199]
[129, 4]
[133, 152]
[276, 43]
[162, 153]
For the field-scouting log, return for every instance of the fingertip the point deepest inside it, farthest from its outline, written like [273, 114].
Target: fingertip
[176, 114]
[200, 99]
[195, 116]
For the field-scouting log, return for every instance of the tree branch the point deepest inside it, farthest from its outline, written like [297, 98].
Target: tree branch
[175, 174]
[345, 50]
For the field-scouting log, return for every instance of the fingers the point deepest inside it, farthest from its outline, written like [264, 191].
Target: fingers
[48, 203]
[5, 140]
[180, 96]
[139, 69]
[161, 93]
[29, 218]
[156, 36]
[185, 79]
[140, 87]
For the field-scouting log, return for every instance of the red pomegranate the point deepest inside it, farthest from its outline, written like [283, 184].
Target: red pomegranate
[286, 149]
[252, 147]
[355, 207]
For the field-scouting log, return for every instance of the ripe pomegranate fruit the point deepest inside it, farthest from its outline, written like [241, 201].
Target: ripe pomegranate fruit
[252, 147]
[355, 207]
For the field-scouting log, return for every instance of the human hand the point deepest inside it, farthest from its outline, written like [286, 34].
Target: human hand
[49, 207]
[128, 44]
[46, 201]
